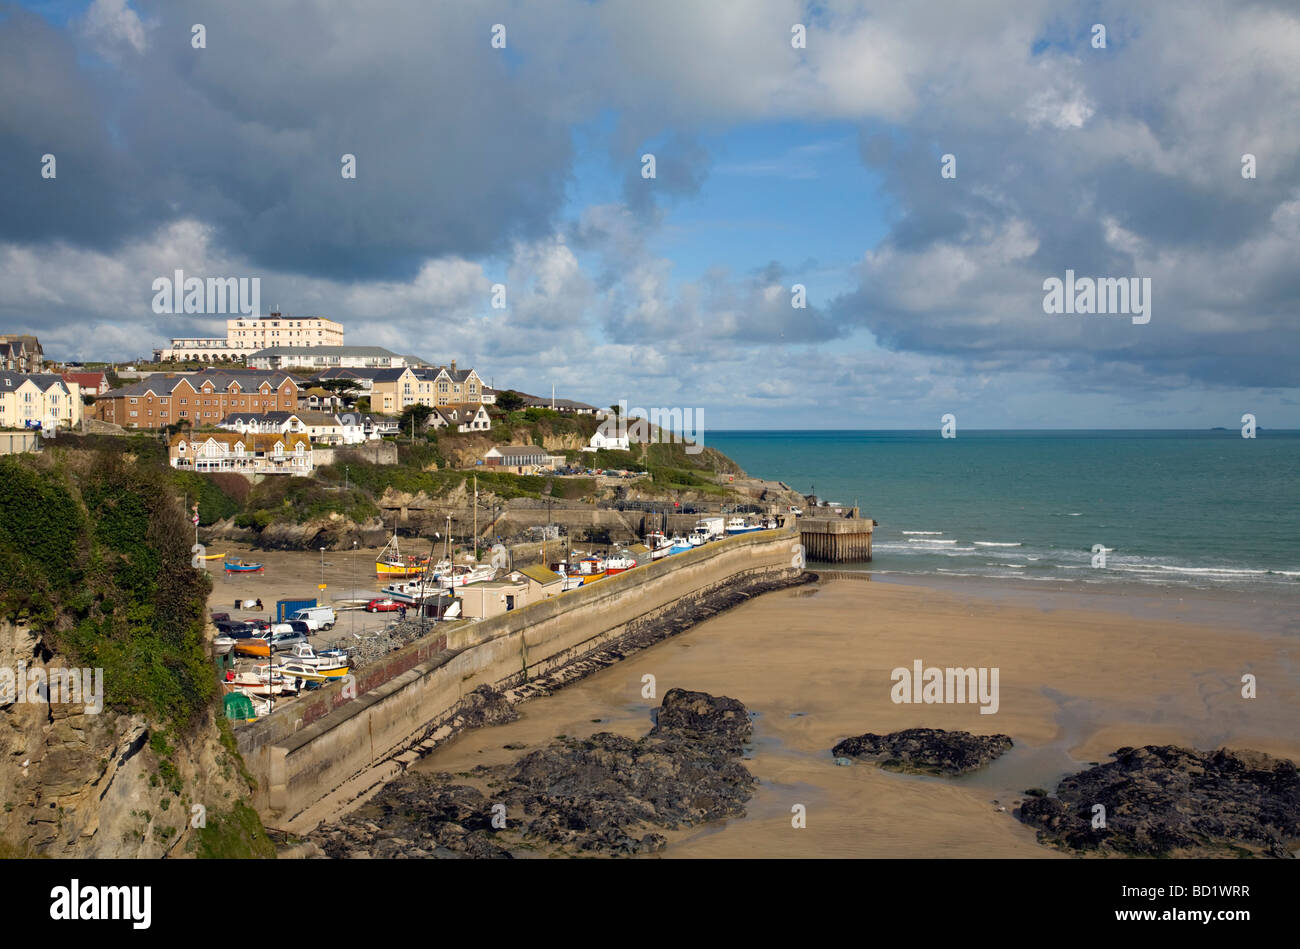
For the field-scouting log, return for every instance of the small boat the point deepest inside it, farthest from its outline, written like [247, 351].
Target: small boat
[390, 563]
[212, 557]
[222, 645]
[261, 682]
[679, 545]
[412, 591]
[238, 566]
[659, 545]
[463, 574]
[696, 539]
[330, 664]
[253, 646]
[618, 564]
[299, 670]
[738, 525]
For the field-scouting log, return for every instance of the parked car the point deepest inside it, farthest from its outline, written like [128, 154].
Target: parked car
[235, 630]
[383, 606]
[220, 617]
[287, 639]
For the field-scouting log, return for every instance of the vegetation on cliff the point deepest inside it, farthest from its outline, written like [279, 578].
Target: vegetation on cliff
[95, 559]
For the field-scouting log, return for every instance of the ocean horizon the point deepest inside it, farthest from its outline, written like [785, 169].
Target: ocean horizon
[1186, 509]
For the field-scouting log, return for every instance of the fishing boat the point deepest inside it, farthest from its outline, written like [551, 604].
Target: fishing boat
[738, 525]
[696, 539]
[659, 545]
[222, 645]
[253, 646]
[618, 564]
[462, 574]
[390, 563]
[238, 566]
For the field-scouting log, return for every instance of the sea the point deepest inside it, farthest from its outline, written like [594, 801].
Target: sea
[1176, 509]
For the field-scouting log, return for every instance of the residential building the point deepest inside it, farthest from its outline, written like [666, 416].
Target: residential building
[565, 406]
[198, 399]
[327, 357]
[323, 428]
[434, 386]
[316, 399]
[363, 378]
[247, 454]
[246, 335]
[21, 354]
[518, 457]
[489, 396]
[377, 426]
[91, 383]
[608, 436]
[38, 400]
[463, 418]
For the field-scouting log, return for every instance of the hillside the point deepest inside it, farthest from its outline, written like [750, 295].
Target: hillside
[95, 575]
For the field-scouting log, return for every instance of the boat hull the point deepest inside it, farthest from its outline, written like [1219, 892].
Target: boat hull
[253, 647]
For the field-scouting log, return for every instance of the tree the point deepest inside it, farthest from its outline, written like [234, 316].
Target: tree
[419, 412]
[362, 405]
[510, 400]
[616, 409]
[343, 388]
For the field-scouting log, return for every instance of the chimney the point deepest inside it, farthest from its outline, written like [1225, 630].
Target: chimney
[453, 365]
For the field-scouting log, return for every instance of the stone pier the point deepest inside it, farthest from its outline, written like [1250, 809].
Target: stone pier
[836, 539]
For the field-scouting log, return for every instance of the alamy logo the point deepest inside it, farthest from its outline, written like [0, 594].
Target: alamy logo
[54, 686]
[215, 295]
[659, 425]
[103, 902]
[933, 686]
[1105, 295]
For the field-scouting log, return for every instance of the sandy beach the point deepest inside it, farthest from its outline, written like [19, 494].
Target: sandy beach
[814, 663]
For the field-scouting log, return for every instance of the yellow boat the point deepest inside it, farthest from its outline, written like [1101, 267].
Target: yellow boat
[390, 564]
[253, 647]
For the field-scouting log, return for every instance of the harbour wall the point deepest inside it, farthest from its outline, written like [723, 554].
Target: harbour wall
[305, 751]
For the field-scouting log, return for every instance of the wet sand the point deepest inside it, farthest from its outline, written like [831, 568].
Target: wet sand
[815, 662]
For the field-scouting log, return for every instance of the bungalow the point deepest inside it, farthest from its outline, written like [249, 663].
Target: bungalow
[248, 454]
[608, 436]
[515, 456]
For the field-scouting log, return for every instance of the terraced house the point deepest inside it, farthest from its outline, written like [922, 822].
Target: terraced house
[198, 399]
[249, 453]
[38, 400]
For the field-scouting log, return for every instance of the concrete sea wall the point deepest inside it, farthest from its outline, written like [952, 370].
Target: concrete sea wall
[309, 748]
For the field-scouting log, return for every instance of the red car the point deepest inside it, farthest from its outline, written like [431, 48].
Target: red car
[383, 606]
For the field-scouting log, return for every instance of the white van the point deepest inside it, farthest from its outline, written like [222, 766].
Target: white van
[316, 617]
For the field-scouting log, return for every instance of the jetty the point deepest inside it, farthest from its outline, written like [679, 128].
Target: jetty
[844, 537]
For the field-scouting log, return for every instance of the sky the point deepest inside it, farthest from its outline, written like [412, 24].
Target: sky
[777, 166]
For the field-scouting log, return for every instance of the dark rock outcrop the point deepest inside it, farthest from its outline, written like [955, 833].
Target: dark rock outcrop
[604, 794]
[925, 750]
[1162, 800]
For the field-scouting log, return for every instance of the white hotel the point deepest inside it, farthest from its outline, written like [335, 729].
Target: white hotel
[246, 335]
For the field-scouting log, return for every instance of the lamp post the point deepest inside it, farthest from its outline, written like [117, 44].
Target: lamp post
[354, 589]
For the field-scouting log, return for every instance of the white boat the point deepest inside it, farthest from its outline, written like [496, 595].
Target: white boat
[697, 539]
[462, 575]
[679, 545]
[412, 591]
[619, 564]
[738, 525]
[659, 545]
[260, 683]
[332, 664]
[222, 645]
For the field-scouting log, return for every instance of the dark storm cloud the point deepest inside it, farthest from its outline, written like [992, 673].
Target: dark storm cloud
[453, 155]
